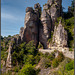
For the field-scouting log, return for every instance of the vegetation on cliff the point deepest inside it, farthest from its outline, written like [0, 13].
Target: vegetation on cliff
[27, 60]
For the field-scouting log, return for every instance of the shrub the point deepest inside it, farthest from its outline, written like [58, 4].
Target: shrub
[1, 66]
[70, 65]
[69, 26]
[55, 51]
[70, 72]
[16, 69]
[24, 58]
[30, 59]
[14, 58]
[37, 59]
[31, 49]
[37, 71]
[40, 46]
[40, 54]
[28, 69]
[46, 54]
[55, 63]
[70, 49]
[51, 56]
[45, 63]
[60, 57]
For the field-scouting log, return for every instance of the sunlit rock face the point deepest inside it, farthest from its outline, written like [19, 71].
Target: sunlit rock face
[51, 11]
[60, 36]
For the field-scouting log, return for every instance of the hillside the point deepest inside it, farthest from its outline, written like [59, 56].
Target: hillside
[44, 46]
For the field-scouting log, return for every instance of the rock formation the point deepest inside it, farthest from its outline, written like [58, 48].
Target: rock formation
[38, 26]
[30, 30]
[51, 11]
[16, 40]
[60, 36]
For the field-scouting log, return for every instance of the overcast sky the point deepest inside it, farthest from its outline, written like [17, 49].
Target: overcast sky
[13, 14]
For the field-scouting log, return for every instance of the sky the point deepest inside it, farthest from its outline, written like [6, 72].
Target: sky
[13, 14]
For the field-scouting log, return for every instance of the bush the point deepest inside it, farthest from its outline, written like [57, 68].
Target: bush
[46, 54]
[60, 57]
[1, 66]
[69, 26]
[70, 72]
[31, 49]
[28, 69]
[37, 71]
[40, 46]
[70, 65]
[55, 51]
[45, 63]
[16, 69]
[70, 49]
[30, 59]
[37, 59]
[51, 56]
[55, 63]
[40, 54]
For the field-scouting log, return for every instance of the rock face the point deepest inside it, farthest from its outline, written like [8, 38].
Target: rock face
[30, 30]
[60, 36]
[14, 41]
[9, 58]
[51, 11]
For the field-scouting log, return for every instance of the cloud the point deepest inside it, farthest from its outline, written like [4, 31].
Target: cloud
[8, 16]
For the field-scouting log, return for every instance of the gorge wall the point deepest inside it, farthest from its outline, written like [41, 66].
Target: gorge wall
[38, 26]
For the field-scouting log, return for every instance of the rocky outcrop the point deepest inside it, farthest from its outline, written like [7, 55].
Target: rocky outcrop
[60, 36]
[51, 11]
[32, 26]
[30, 30]
[14, 41]
[38, 27]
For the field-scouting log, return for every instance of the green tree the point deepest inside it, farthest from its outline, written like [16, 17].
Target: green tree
[31, 49]
[28, 69]
[55, 63]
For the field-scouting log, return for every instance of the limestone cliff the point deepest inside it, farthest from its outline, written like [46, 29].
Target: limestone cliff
[31, 24]
[38, 26]
[60, 36]
[51, 11]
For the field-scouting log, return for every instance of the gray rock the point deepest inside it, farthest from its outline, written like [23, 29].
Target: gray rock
[37, 6]
[51, 11]
[29, 9]
[50, 2]
[60, 36]
[46, 21]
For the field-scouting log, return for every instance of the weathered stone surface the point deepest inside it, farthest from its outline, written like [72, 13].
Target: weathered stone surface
[46, 22]
[30, 30]
[14, 41]
[50, 2]
[60, 36]
[42, 37]
[51, 11]
[37, 6]
[29, 9]
[9, 58]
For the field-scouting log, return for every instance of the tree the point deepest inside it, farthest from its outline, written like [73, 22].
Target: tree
[30, 47]
[28, 69]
